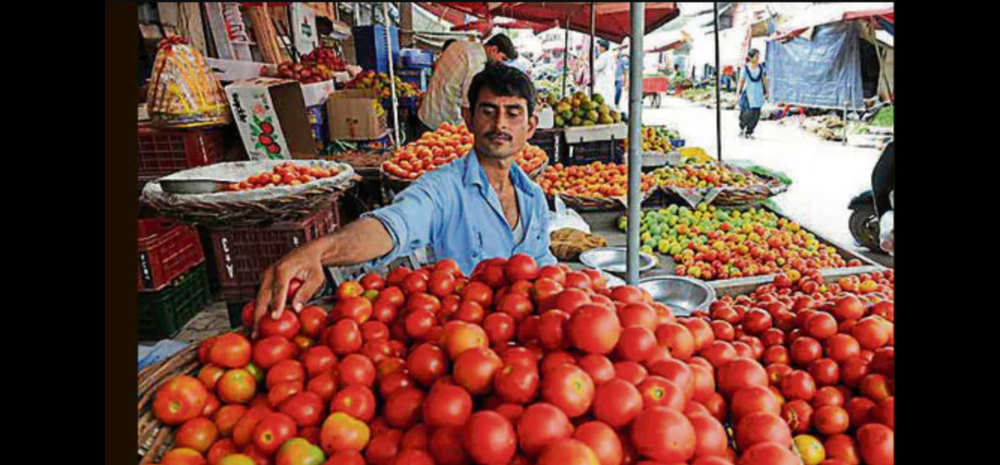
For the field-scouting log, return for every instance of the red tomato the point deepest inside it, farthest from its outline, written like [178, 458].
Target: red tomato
[877, 444]
[569, 388]
[232, 351]
[403, 409]
[490, 439]
[541, 425]
[654, 424]
[602, 440]
[760, 428]
[754, 399]
[741, 373]
[447, 406]
[831, 421]
[712, 440]
[475, 369]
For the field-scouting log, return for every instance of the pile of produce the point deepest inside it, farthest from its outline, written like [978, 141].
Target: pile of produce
[694, 173]
[447, 144]
[709, 243]
[318, 66]
[526, 365]
[580, 110]
[886, 118]
[596, 180]
[380, 83]
[655, 140]
[286, 174]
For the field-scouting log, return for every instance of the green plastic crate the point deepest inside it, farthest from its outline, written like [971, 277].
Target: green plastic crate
[164, 313]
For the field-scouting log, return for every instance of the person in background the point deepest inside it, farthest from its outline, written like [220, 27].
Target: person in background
[447, 92]
[621, 76]
[752, 92]
[727, 78]
[604, 73]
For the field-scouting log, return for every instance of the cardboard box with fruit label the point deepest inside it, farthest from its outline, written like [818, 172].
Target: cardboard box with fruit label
[355, 114]
[271, 117]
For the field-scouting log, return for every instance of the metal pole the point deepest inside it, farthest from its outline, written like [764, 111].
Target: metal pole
[392, 76]
[565, 57]
[718, 85]
[593, 48]
[638, 11]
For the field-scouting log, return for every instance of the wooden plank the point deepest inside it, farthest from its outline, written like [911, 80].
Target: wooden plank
[192, 25]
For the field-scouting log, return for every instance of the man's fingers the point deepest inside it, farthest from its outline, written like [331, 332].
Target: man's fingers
[309, 288]
[263, 299]
[279, 297]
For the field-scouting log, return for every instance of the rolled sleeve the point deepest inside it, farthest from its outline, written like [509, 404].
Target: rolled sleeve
[409, 220]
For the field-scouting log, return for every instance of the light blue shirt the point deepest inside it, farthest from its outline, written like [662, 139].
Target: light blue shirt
[456, 212]
[754, 88]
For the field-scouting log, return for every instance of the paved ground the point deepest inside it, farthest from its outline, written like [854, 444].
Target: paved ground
[826, 175]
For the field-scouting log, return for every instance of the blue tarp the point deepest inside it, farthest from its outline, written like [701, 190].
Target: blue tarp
[823, 72]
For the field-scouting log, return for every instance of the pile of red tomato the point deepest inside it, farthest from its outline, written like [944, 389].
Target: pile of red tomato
[286, 174]
[596, 180]
[525, 365]
[445, 145]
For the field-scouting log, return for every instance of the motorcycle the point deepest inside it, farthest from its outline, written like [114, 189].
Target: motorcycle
[871, 221]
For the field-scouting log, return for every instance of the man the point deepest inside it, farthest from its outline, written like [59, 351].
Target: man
[621, 76]
[458, 64]
[604, 73]
[479, 207]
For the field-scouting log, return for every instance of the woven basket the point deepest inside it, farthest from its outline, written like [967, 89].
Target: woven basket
[730, 196]
[257, 207]
[155, 438]
[183, 92]
[597, 204]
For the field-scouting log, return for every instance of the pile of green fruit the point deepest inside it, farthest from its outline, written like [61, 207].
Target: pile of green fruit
[697, 174]
[580, 110]
[711, 243]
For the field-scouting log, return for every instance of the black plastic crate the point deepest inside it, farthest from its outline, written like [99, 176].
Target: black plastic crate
[552, 142]
[164, 313]
[607, 151]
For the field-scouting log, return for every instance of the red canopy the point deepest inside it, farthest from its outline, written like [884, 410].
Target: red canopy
[484, 26]
[612, 18]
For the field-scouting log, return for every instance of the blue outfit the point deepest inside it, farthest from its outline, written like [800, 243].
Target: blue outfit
[752, 99]
[456, 213]
[620, 79]
[754, 87]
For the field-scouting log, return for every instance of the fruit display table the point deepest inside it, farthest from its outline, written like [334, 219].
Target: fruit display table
[605, 224]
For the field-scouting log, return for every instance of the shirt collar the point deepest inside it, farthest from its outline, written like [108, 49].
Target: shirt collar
[475, 175]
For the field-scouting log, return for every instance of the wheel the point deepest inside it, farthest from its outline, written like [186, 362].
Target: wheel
[864, 227]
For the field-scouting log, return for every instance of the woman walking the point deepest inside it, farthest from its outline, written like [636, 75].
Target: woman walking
[753, 92]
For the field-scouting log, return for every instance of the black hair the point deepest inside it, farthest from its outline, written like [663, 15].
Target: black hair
[504, 81]
[604, 44]
[504, 44]
[447, 43]
[753, 53]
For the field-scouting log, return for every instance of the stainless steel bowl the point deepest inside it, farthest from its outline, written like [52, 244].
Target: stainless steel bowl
[615, 260]
[193, 186]
[684, 295]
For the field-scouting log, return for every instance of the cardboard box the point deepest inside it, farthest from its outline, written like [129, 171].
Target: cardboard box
[352, 115]
[271, 116]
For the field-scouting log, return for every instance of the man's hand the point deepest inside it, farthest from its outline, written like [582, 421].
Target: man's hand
[304, 264]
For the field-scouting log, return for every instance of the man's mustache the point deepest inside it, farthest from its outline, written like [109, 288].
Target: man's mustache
[499, 135]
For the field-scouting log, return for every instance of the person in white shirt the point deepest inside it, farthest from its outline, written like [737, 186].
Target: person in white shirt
[447, 93]
[604, 74]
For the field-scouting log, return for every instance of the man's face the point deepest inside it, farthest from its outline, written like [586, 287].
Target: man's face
[501, 125]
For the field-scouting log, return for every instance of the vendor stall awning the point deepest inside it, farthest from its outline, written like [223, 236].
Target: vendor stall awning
[611, 18]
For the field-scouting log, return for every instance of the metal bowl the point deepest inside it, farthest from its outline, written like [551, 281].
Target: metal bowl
[615, 260]
[684, 295]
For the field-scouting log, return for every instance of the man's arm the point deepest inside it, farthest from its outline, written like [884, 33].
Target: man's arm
[361, 241]
[383, 234]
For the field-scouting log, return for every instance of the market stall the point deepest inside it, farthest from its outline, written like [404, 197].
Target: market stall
[681, 300]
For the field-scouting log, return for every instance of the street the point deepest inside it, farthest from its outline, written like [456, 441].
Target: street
[826, 175]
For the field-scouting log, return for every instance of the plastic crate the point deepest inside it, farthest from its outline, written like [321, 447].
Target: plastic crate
[417, 77]
[167, 151]
[608, 151]
[162, 314]
[551, 141]
[416, 58]
[242, 254]
[166, 251]
[372, 50]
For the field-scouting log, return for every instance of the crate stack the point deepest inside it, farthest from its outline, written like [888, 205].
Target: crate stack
[172, 278]
[243, 253]
[586, 145]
